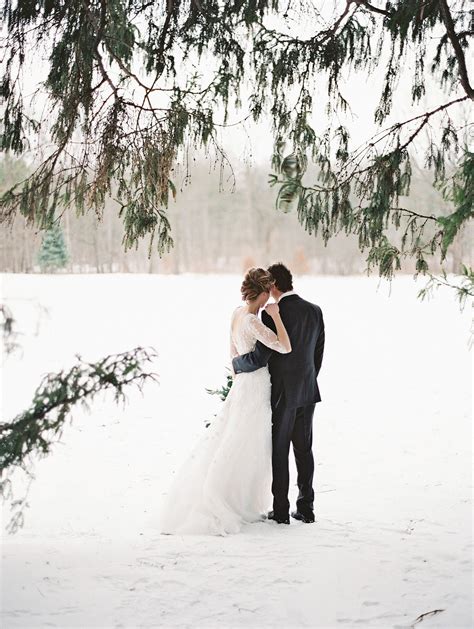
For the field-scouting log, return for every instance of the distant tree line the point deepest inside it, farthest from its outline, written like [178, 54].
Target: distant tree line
[217, 231]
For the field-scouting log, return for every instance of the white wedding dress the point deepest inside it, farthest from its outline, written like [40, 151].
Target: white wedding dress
[227, 479]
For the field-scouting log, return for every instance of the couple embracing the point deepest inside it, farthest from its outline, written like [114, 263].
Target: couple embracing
[276, 360]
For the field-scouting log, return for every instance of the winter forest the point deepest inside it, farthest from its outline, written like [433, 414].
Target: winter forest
[215, 230]
[156, 157]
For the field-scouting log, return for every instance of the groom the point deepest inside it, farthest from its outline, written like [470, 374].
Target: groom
[294, 393]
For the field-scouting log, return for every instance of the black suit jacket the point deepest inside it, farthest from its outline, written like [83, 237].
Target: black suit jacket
[293, 375]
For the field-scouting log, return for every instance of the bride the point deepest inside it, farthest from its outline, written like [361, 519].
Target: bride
[226, 480]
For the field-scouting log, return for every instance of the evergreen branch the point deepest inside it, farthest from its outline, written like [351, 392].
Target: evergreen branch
[321, 37]
[317, 189]
[131, 145]
[425, 117]
[449, 24]
[385, 133]
[327, 208]
[412, 213]
[370, 7]
[34, 431]
[464, 287]
[164, 32]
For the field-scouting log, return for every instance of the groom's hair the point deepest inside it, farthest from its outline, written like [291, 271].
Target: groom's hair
[282, 276]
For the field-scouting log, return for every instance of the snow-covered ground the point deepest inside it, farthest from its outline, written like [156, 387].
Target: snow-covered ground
[393, 445]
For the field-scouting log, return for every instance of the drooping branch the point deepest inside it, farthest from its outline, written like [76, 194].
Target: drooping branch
[370, 7]
[125, 79]
[453, 38]
[33, 432]
[37, 428]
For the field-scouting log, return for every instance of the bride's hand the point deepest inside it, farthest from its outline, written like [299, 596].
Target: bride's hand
[272, 309]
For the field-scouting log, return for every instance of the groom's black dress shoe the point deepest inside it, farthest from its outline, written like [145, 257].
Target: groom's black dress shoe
[308, 517]
[284, 520]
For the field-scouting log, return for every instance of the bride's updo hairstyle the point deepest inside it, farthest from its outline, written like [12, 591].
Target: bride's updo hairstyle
[256, 282]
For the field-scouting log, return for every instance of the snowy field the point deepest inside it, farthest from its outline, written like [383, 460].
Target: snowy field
[393, 446]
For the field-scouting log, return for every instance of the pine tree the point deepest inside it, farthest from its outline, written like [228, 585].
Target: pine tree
[53, 253]
[122, 77]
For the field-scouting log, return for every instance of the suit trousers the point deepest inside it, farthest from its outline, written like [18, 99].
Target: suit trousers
[292, 425]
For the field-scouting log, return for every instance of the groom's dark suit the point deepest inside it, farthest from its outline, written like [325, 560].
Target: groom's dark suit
[294, 394]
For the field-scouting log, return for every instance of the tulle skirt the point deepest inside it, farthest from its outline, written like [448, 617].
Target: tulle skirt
[226, 480]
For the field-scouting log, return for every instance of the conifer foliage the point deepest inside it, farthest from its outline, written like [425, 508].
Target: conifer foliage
[133, 84]
[33, 433]
[53, 253]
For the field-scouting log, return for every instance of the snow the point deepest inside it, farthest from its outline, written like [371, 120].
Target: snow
[393, 448]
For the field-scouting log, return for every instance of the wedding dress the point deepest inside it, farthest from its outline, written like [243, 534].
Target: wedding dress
[227, 479]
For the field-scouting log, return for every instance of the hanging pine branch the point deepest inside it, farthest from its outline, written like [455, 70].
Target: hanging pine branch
[33, 433]
[126, 99]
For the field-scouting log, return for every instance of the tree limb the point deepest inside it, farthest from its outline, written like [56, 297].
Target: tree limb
[448, 21]
[370, 7]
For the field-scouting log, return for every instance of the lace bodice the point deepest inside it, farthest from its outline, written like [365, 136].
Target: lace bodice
[246, 329]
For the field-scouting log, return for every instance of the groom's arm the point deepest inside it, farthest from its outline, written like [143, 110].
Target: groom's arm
[319, 349]
[253, 360]
[260, 355]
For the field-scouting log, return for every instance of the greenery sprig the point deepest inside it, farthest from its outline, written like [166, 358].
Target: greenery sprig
[223, 392]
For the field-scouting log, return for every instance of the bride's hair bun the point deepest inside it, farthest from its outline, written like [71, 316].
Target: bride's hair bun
[256, 281]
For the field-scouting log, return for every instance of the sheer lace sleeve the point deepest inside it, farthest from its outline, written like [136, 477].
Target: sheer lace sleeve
[265, 335]
[233, 348]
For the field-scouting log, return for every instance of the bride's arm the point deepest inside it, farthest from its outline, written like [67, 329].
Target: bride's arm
[274, 311]
[280, 341]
